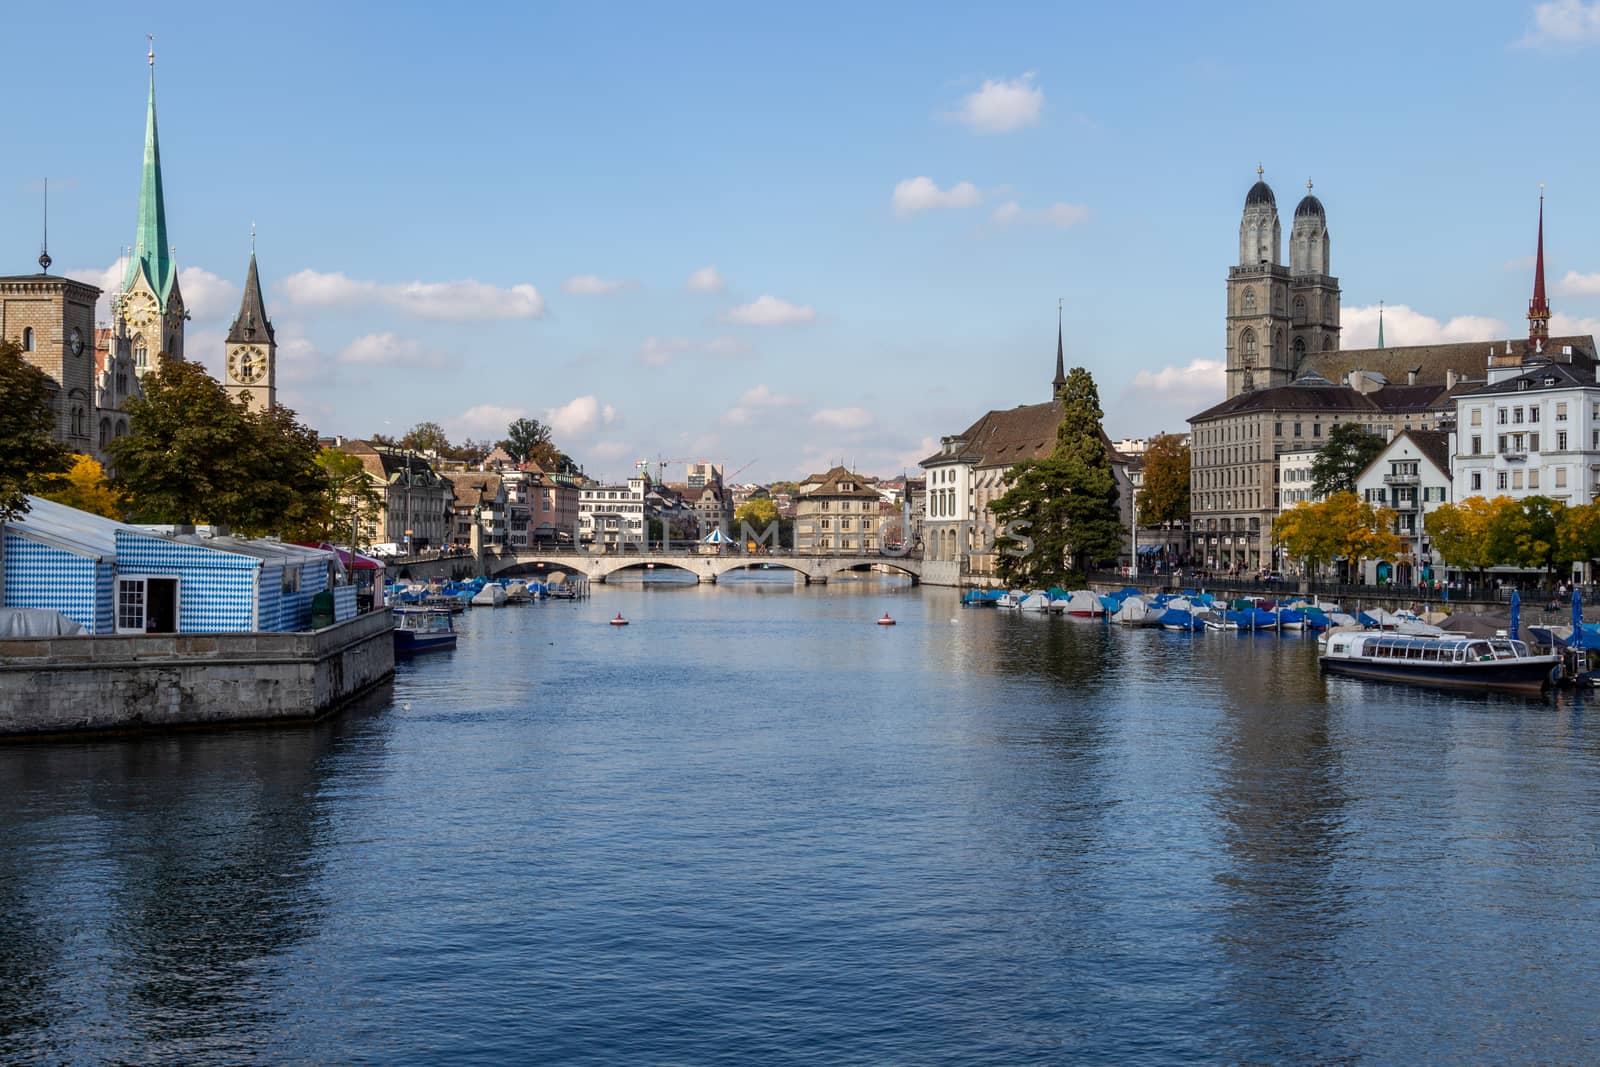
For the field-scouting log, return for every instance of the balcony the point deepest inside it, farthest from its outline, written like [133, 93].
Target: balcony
[1514, 455]
[1402, 479]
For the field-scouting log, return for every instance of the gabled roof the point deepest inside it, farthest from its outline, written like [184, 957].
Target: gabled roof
[78, 532]
[1564, 375]
[830, 484]
[474, 487]
[1004, 438]
[1434, 445]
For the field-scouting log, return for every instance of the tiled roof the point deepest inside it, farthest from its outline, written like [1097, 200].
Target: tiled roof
[1431, 362]
[1435, 444]
[1005, 438]
[1565, 374]
[474, 487]
[828, 484]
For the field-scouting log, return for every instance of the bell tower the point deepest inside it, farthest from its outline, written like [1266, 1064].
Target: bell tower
[150, 299]
[1258, 298]
[252, 354]
[1313, 291]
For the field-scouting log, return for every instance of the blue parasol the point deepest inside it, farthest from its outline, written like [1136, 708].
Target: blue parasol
[1576, 643]
[1516, 611]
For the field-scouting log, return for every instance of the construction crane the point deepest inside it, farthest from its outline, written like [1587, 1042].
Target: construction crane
[662, 463]
[728, 479]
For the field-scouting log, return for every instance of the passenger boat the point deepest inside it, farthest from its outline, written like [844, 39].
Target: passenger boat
[1451, 660]
[417, 631]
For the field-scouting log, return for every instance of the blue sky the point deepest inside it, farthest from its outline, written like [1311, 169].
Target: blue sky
[676, 232]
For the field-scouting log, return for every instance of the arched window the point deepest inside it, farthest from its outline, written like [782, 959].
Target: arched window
[1249, 301]
[122, 427]
[141, 354]
[105, 432]
[1299, 350]
[27, 338]
[1299, 309]
[1247, 346]
[1277, 345]
[1327, 344]
[78, 417]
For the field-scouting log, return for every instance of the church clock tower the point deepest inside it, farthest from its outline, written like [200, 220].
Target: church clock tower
[1258, 299]
[150, 300]
[252, 363]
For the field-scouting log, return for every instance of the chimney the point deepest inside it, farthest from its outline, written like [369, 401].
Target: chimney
[1411, 377]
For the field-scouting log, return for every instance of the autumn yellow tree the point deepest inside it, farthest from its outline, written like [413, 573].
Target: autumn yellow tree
[1578, 534]
[1460, 532]
[86, 488]
[1340, 527]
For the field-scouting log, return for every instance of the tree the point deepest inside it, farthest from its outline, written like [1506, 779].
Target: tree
[470, 451]
[1164, 496]
[1523, 532]
[426, 437]
[194, 454]
[1340, 527]
[348, 493]
[86, 488]
[1578, 534]
[758, 513]
[524, 436]
[29, 454]
[1068, 499]
[1460, 532]
[1348, 450]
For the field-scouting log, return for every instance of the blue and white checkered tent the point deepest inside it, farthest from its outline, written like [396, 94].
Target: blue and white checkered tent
[216, 588]
[290, 575]
[61, 559]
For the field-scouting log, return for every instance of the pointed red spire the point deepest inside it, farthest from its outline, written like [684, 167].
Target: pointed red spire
[1539, 307]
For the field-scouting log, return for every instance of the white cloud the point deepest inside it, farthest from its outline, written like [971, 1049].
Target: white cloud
[487, 420]
[1404, 326]
[706, 280]
[389, 350]
[770, 311]
[1520, 263]
[1563, 325]
[1199, 379]
[1060, 214]
[579, 416]
[843, 418]
[659, 351]
[1575, 284]
[923, 194]
[925, 448]
[1002, 106]
[754, 400]
[1563, 22]
[458, 301]
[592, 285]
[1153, 398]
[610, 449]
[209, 296]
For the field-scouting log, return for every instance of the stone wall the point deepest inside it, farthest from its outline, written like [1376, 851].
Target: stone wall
[131, 682]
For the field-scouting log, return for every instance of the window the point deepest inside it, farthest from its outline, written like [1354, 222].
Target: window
[130, 605]
[1477, 445]
[105, 433]
[1277, 429]
[27, 339]
[1533, 413]
[1500, 480]
[1297, 429]
[1500, 416]
[79, 429]
[1316, 429]
[1516, 479]
[1516, 416]
[1533, 442]
[1561, 441]
[1561, 411]
[1501, 441]
[1533, 478]
[1561, 477]
[1477, 481]
[1476, 418]
[1247, 344]
[1249, 302]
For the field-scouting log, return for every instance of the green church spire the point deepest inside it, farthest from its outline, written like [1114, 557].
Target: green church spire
[1380, 324]
[152, 254]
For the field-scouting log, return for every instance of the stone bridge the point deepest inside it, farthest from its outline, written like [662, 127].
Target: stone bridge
[598, 566]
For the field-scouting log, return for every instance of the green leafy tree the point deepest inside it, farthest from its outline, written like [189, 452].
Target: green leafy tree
[1067, 500]
[86, 488]
[1345, 454]
[1164, 497]
[1523, 532]
[427, 437]
[29, 455]
[194, 454]
[524, 436]
[347, 492]
[758, 512]
[1578, 534]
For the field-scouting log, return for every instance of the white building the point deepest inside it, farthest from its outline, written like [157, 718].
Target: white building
[1412, 476]
[1294, 478]
[613, 515]
[1534, 430]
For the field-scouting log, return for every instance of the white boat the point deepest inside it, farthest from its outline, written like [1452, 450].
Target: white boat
[490, 596]
[1035, 602]
[1012, 599]
[1135, 612]
[1452, 661]
[518, 593]
[1084, 604]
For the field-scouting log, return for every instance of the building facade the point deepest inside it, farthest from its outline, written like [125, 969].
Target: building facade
[51, 319]
[1294, 477]
[612, 516]
[1411, 476]
[415, 503]
[836, 511]
[479, 510]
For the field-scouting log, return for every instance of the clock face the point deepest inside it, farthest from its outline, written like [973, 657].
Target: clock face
[247, 365]
[76, 341]
[139, 307]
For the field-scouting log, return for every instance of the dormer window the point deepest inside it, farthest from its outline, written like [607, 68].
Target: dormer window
[1522, 385]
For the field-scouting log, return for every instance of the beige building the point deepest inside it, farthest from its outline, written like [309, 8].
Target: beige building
[51, 319]
[836, 512]
[415, 502]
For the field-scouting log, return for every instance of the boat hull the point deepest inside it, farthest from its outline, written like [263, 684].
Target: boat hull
[408, 643]
[1522, 677]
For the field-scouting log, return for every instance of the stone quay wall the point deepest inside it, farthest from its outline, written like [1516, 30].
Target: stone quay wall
[57, 685]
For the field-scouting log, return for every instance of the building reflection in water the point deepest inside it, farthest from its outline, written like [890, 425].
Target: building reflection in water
[182, 872]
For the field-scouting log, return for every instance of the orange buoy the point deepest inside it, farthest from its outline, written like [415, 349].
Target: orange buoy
[886, 621]
[619, 620]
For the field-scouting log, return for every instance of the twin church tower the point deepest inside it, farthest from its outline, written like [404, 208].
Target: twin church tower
[1278, 315]
[149, 311]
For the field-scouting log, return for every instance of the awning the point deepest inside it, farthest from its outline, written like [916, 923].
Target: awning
[362, 563]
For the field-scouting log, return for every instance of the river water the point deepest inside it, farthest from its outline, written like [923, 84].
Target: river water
[753, 827]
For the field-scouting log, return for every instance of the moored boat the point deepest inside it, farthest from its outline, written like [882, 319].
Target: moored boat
[1451, 660]
[417, 631]
[490, 596]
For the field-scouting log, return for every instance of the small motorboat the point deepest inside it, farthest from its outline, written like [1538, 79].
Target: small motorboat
[619, 620]
[490, 596]
[417, 631]
[886, 621]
